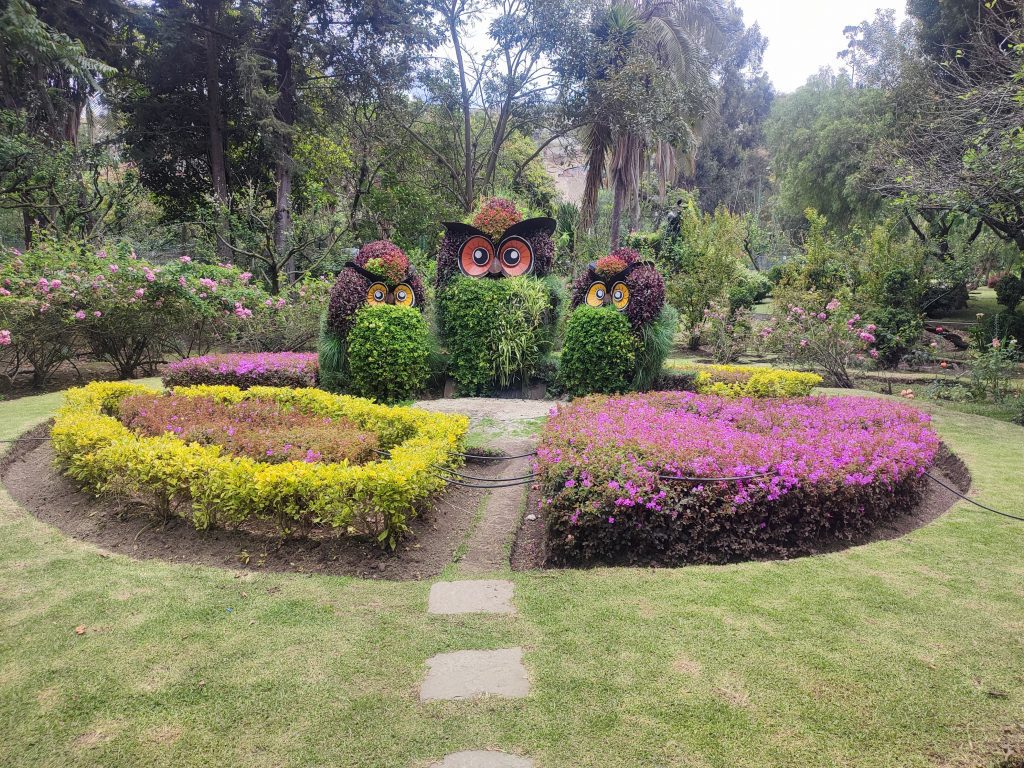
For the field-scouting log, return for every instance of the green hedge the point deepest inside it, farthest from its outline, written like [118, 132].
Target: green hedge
[388, 353]
[208, 489]
[600, 352]
[497, 332]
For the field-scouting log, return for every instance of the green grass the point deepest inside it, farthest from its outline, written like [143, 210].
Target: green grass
[903, 653]
[981, 300]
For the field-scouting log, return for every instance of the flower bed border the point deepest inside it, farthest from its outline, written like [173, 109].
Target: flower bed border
[210, 489]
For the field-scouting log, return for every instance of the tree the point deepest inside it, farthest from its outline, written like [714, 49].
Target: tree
[732, 164]
[965, 154]
[648, 90]
[474, 105]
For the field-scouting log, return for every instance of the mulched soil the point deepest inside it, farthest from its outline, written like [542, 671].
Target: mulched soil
[30, 477]
[528, 551]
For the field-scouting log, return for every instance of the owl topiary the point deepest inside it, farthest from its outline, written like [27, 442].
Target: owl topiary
[379, 276]
[624, 282]
[497, 307]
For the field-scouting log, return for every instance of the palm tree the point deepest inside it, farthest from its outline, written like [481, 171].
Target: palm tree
[667, 43]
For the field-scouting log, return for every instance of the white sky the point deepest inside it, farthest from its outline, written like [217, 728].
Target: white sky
[804, 35]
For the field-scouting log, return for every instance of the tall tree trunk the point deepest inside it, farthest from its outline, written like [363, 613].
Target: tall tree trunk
[215, 116]
[468, 192]
[618, 200]
[285, 114]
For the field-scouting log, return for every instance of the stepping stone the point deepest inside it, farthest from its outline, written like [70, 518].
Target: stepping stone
[480, 759]
[473, 674]
[484, 596]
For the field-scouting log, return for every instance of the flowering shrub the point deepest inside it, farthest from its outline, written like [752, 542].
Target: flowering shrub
[749, 380]
[828, 339]
[834, 468]
[727, 331]
[269, 369]
[260, 429]
[64, 299]
[496, 215]
[209, 488]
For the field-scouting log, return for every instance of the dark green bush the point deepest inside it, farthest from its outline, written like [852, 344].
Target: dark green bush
[600, 352]
[1010, 291]
[388, 351]
[497, 332]
[749, 289]
[897, 332]
[1000, 325]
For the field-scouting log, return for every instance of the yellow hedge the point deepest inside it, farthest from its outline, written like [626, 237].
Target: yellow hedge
[751, 381]
[210, 488]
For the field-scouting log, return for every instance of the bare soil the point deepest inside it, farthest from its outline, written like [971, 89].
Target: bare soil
[29, 473]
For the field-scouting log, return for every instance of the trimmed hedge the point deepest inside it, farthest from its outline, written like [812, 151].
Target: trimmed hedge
[746, 380]
[618, 475]
[599, 354]
[388, 351]
[210, 489]
[267, 369]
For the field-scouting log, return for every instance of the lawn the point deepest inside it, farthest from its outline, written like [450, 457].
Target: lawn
[903, 653]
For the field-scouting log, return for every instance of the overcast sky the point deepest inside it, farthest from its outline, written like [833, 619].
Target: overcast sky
[804, 35]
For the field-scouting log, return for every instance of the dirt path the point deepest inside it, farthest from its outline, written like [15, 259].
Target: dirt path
[510, 426]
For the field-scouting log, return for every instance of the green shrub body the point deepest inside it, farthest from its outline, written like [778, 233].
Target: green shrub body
[600, 352]
[497, 332]
[388, 352]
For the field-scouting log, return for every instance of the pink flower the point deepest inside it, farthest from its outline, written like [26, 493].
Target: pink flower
[833, 305]
[995, 344]
[101, 255]
[97, 314]
[4, 292]
[140, 292]
[209, 284]
[114, 267]
[80, 314]
[5, 338]
[245, 277]
[185, 259]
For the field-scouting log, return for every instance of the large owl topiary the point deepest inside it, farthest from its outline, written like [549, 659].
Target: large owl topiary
[497, 307]
[623, 283]
[393, 345]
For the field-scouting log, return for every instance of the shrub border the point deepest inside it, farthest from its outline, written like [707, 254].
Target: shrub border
[210, 489]
[760, 381]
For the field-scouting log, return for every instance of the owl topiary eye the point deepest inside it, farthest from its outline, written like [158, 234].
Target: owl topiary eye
[597, 294]
[475, 256]
[620, 296]
[377, 294]
[404, 296]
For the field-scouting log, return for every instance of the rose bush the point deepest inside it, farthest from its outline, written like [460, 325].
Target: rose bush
[621, 476]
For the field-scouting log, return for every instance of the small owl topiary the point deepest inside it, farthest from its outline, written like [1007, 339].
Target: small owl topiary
[624, 282]
[380, 275]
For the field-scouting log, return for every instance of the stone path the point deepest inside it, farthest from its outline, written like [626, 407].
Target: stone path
[463, 675]
[483, 760]
[484, 596]
[491, 539]
[474, 674]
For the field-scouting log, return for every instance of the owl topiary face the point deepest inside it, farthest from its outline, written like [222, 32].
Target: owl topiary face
[380, 274]
[499, 243]
[622, 281]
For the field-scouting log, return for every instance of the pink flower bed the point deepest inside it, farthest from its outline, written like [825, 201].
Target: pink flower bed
[270, 369]
[833, 469]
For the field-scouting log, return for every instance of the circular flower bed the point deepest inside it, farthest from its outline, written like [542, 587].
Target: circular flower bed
[626, 479]
[121, 440]
[268, 369]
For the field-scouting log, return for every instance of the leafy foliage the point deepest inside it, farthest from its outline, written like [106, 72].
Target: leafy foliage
[207, 488]
[388, 351]
[281, 369]
[831, 469]
[599, 354]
